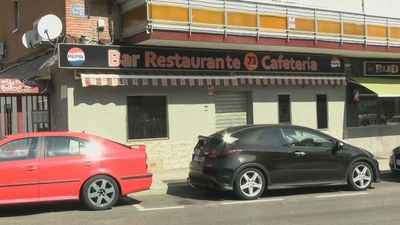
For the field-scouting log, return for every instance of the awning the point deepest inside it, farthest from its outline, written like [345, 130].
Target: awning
[383, 87]
[33, 68]
[107, 79]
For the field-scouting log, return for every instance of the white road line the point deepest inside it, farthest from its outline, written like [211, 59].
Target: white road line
[141, 208]
[254, 201]
[341, 195]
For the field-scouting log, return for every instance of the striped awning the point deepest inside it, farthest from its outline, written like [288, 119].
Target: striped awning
[95, 79]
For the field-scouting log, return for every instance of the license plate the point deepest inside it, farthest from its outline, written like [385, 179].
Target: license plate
[398, 162]
[198, 158]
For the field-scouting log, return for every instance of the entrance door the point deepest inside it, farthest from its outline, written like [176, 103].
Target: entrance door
[232, 109]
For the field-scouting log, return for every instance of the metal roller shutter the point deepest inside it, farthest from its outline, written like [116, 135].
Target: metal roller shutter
[231, 109]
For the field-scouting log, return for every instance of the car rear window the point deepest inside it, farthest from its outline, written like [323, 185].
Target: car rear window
[208, 143]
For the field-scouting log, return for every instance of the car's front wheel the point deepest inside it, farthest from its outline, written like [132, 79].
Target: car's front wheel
[249, 184]
[100, 192]
[360, 176]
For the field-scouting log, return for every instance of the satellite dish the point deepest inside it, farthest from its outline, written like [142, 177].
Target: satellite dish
[49, 27]
[27, 39]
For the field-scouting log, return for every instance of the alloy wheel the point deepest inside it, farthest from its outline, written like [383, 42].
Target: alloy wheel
[362, 176]
[101, 192]
[251, 183]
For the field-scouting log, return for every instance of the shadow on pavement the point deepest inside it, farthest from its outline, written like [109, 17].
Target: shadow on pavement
[388, 176]
[41, 208]
[182, 190]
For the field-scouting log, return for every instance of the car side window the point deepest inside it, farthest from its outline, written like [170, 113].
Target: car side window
[63, 146]
[299, 137]
[271, 137]
[21, 149]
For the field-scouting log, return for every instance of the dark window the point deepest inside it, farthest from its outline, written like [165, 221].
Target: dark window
[322, 111]
[16, 14]
[284, 109]
[19, 149]
[373, 111]
[147, 117]
[63, 146]
[299, 137]
[263, 137]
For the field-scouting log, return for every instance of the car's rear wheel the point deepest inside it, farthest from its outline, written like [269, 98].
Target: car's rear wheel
[100, 192]
[249, 184]
[360, 176]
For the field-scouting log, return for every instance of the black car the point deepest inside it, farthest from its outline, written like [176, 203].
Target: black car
[394, 160]
[249, 159]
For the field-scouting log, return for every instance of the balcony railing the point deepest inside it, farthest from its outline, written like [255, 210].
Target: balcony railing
[258, 20]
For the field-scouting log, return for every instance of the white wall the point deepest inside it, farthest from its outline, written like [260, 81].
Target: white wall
[337, 5]
[385, 8]
[303, 106]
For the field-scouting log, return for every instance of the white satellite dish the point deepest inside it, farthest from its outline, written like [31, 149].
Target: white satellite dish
[27, 39]
[49, 27]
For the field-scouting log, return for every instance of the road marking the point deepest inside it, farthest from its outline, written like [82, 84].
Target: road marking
[141, 208]
[341, 195]
[254, 201]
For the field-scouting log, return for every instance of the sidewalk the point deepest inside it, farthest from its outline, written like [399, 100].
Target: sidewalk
[163, 179]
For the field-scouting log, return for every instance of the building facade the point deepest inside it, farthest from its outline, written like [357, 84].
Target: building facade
[163, 72]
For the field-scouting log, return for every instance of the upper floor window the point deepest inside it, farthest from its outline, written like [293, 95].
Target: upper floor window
[16, 14]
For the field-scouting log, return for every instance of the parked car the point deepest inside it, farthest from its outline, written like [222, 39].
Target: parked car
[394, 160]
[53, 166]
[395, 120]
[250, 159]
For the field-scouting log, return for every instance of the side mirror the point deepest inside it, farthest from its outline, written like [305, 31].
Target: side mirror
[339, 145]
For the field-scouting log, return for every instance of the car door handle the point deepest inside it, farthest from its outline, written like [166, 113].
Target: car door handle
[300, 153]
[31, 168]
[87, 163]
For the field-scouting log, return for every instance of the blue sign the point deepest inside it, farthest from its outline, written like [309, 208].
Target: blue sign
[78, 10]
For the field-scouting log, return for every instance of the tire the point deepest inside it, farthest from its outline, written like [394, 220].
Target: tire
[249, 184]
[94, 192]
[360, 176]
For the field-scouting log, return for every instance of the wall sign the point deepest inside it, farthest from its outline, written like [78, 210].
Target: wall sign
[16, 86]
[377, 68]
[78, 10]
[291, 22]
[157, 58]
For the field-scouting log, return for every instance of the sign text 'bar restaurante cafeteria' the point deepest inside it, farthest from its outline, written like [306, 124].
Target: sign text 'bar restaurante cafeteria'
[151, 58]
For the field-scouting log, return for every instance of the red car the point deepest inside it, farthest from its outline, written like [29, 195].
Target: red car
[53, 166]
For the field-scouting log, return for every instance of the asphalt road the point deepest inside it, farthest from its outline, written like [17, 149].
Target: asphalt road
[332, 205]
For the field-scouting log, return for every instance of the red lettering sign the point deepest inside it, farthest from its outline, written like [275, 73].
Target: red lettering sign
[15, 86]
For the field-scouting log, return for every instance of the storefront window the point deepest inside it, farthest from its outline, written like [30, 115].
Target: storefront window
[372, 110]
[147, 117]
[284, 109]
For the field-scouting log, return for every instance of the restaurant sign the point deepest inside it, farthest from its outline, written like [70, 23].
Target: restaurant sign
[156, 58]
[377, 68]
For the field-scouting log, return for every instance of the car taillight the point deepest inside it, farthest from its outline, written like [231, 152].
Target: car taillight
[213, 153]
[232, 152]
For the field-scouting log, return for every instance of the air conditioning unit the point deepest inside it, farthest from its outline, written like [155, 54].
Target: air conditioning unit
[37, 39]
[2, 52]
